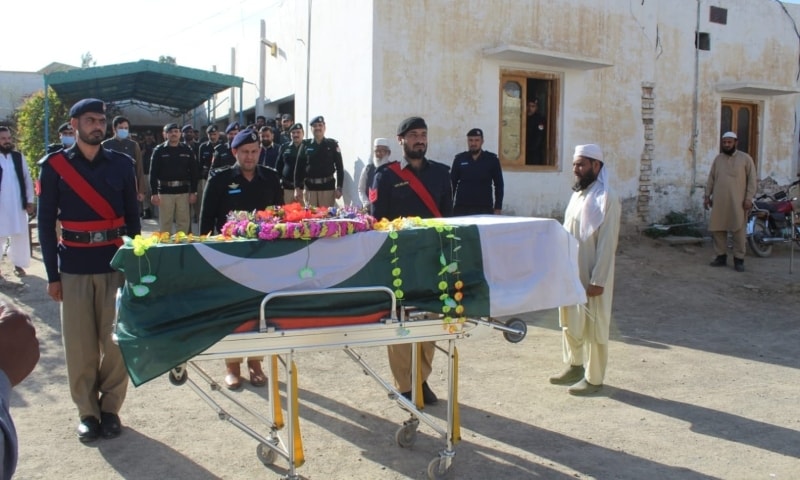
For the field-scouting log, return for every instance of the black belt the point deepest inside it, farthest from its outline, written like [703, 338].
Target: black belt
[97, 236]
[319, 181]
[177, 183]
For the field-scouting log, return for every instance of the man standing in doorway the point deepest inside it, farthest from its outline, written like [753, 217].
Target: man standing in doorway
[473, 174]
[412, 187]
[593, 217]
[535, 134]
[730, 189]
[16, 203]
[92, 190]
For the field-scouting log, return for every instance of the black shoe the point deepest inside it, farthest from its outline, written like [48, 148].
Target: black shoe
[428, 397]
[720, 261]
[88, 429]
[738, 264]
[110, 425]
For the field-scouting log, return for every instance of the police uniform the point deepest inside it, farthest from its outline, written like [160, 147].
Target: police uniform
[285, 166]
[393, 197]
[205, 154]
[173, 176]
[473, 179]
[321, 170]
[54, 147]
[223, 156]
[81, 263]
[229, 190]
[132, 149]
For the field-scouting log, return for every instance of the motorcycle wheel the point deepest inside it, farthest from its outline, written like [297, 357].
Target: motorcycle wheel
[758, 247]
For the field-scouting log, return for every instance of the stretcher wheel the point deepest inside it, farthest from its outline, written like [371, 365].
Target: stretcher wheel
[178, 375]
[516, 324]
[265, 454]
[406, 435]
[439, 468]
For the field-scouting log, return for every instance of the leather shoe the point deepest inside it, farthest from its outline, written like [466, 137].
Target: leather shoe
[572, 374]
[428, 397]
[88, 429]
[110, 425]
[584, 388]
[19, 271]
[738, 264]
[720, 261]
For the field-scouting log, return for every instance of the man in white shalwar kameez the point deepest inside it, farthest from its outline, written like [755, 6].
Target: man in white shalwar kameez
[16, 203]
[593, 217]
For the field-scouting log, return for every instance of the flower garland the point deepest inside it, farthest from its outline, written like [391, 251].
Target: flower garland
[293, 221]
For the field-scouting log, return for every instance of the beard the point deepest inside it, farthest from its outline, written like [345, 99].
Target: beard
[584, 181]
[7, 148]
[266, 144]
[92, 138]
[413, 153]
[475, 151]
[728, 151]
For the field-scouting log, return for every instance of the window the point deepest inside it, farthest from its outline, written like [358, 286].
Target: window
[528, 112]
[740, 118]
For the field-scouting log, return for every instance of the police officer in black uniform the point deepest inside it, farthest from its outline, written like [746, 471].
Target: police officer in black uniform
[92, 191]
[222, 152]
[474, 174]
[320, 174]
[287, 159]
[393, 197]
[173, 181]
[67, 136]
[204, 158]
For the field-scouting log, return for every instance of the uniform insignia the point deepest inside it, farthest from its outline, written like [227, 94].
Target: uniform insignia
[233, 186]
[401, 184]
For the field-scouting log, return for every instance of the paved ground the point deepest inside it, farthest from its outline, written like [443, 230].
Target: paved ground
[702, 384]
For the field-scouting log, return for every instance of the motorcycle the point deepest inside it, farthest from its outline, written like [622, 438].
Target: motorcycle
[776, 220]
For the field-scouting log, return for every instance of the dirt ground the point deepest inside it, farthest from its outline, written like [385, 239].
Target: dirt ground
[703, 383]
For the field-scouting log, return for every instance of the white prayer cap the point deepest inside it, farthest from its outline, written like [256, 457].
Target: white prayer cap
[381, 142]
[729, 135]
[589, 151]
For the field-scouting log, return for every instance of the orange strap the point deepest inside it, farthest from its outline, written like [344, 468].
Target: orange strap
[418, 188]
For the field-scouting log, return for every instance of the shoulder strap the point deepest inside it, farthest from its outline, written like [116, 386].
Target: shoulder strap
[83, 188]
[417, 186]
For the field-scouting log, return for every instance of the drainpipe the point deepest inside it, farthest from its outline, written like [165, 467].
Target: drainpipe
[695, 101]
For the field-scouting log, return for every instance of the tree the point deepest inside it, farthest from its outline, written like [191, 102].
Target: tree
[167, 59]
[87, 60]
[29, 119]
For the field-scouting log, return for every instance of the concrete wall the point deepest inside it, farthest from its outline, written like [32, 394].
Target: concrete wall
[14, 87]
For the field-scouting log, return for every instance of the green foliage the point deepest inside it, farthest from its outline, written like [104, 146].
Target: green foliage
[29, 119]
[675, 224]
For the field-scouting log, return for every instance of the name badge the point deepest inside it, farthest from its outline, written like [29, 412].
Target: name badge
[231, 192]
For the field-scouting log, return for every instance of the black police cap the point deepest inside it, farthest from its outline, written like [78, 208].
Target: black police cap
[475, 132]
[171, 126]
[87, 105]
[286, 116]
[244, 137]
[187, 128]
[411, 123]
[211, 129]
[317, 119]
[296, 126]
[64, 127]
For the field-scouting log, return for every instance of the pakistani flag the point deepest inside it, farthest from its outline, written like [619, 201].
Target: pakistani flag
[178, 300]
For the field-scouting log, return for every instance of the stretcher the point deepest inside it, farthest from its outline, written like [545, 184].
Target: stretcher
[506, 266]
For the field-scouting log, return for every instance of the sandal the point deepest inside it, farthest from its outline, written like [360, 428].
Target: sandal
[233, 382]
[257, 376]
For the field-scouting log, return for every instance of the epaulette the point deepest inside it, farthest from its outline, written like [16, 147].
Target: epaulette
[215, 171]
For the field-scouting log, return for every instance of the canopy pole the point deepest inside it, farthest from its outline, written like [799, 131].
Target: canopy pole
[46, 114]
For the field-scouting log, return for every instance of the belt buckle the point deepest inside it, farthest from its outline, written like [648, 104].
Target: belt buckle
[99, 236]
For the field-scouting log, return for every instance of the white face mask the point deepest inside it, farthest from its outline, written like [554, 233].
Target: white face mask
[68, 140]
[122, 133]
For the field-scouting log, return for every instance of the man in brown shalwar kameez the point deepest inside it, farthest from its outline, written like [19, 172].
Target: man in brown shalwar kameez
[729, 192]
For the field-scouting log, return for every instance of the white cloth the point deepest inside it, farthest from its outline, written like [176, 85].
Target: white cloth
[13, 216]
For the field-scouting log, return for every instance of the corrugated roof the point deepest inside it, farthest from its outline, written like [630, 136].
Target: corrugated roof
[164, 84]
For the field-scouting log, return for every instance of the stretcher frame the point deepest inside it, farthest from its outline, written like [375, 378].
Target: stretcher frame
[403, 325]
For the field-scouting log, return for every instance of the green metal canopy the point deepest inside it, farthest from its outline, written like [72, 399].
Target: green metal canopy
[157, 83]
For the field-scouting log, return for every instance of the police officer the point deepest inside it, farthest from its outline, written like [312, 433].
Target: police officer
[222, 152]
[287, 159]
[320, 174]
[66, 136]
[121, 142]
[473, 175]
[188, 135]
[204, 158]
[245, 185]
[412, 187]
[92, 191]
[173, 181]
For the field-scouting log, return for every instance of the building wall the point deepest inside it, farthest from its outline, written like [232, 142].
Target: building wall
[14, 88]
[380, 61]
